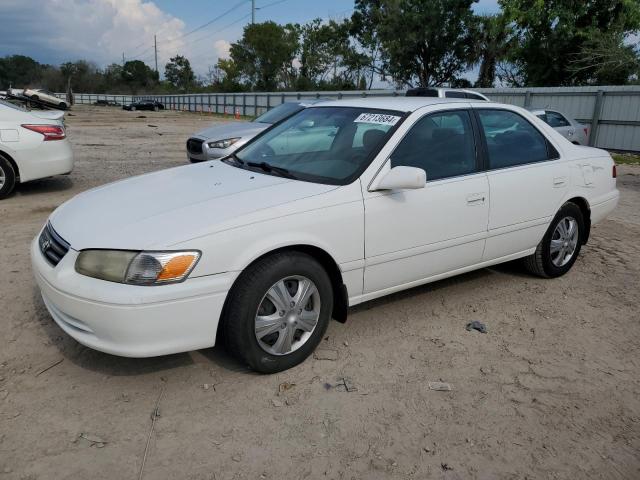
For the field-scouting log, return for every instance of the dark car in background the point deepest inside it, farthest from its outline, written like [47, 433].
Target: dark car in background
[144, 105]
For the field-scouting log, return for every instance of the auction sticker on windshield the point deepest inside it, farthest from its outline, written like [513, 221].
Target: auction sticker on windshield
[378, 118]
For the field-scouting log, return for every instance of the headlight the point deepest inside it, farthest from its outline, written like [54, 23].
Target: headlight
[137, 268]
[226, 143]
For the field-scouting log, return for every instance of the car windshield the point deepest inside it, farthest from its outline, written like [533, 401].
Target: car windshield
[279, 113]
[330, 145]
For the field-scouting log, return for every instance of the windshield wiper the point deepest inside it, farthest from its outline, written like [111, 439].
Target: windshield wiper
[267, 167]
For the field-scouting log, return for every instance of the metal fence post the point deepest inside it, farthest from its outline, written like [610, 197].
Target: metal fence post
[527, 99]
[268, 102]
[244, 104]
[595, 119]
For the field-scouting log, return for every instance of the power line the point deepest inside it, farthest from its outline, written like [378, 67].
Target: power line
[211, 21]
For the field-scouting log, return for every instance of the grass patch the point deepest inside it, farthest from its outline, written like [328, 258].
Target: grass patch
[626, 158]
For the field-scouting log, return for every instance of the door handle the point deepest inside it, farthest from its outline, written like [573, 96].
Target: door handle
[559, 181]
[476, 199]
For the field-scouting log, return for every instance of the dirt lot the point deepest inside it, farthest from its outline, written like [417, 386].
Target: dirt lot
[551, 391]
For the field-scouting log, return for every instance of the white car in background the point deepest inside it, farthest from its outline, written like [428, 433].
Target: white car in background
[222, 140]
[33, 145]
[443, 92]
[268, 244]
[45, 96]
[574, 131]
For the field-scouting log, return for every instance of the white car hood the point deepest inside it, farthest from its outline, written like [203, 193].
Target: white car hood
[161, 209]
[231, 130]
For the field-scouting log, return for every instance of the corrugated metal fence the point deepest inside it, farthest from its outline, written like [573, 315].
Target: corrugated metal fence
[612, 113]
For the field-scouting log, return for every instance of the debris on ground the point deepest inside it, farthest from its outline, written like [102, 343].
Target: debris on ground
[283, 387]
[94, 440]
[152, 126]
[476, 325]
[57, 362]
[276, 402]
[440, 386]
[445, 467]
[325, 354]
[345, 385]
[141, 116]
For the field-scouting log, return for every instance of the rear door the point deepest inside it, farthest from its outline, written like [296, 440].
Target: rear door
[527, 181]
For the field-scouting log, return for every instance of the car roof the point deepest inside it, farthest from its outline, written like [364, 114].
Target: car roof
[404, 104]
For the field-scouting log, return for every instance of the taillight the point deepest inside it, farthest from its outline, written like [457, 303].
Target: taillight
[50, 132]
[614, 172]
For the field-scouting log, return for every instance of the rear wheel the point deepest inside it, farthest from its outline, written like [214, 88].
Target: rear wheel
[62, 106]
[278, 311]
[156, 108]
[7, 177]
[560, 246]
[133, 108]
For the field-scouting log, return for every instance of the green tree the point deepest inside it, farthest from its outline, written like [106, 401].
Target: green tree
[19, 71]
[423, 42]
[493, 39]
[178, 72]
[551, 33]
[136, 75]
[265, 53]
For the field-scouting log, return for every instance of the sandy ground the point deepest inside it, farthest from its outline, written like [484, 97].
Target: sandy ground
[552, 391]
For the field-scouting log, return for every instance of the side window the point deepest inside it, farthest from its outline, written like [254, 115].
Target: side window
[554, 119]
[511, 140]
[441, 144]
[454, 94]
[474, 96]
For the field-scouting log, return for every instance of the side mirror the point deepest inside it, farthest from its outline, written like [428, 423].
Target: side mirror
[399, 178]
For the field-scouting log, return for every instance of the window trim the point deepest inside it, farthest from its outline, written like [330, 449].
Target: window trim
[552, 152]
[479, 163]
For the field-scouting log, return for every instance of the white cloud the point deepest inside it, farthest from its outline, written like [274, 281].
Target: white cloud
[55, 31]
[221, 48]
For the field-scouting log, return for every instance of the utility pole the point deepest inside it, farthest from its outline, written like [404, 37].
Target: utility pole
[155, 47]
[123, 59]
[253, 11]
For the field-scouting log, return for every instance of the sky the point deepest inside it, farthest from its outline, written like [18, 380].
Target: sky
[56, 31]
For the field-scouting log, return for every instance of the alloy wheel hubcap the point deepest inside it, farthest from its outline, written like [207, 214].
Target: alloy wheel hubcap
[564, 241]
[3, 178]
[287, 315]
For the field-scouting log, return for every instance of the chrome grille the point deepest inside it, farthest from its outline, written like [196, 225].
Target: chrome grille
[52, 245]
[194, 145]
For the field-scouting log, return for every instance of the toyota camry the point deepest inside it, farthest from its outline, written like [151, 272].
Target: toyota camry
[337, 205]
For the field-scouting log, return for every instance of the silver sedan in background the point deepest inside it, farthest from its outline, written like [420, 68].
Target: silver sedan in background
[574, 131]
[221, 140]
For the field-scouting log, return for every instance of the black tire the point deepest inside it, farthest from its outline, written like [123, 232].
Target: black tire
[133, 108]
[6, 170]
[238, 322]
[156, 108]
[540, 263]
[62, 106]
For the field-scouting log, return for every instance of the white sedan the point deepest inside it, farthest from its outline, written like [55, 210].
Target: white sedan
[33, 145]
[337, 205]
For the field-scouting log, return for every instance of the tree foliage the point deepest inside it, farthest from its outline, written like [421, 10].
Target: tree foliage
[551, 33]
[265, 53]
[178, 73]
[423, 42]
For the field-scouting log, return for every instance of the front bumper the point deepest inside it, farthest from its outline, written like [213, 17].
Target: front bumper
[129, 320]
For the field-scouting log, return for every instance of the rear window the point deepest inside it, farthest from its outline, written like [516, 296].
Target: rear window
[279, 113]
[422, 92]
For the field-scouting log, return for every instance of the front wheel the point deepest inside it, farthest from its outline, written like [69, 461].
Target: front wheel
[156, 108]
[7, 178]
[133, 109]
[278, 311]
[560, 246]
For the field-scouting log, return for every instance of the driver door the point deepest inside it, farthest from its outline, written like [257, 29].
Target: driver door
[413, 235]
